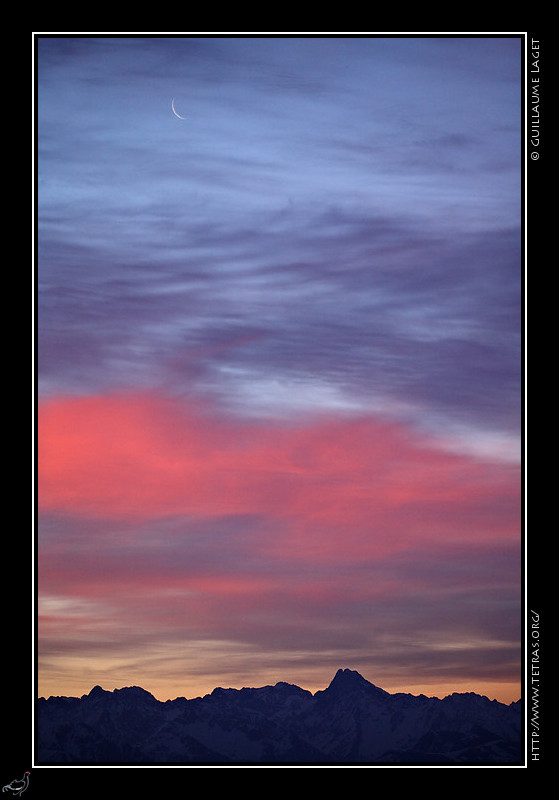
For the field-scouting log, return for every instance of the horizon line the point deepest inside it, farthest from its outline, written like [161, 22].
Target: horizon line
[273, 685]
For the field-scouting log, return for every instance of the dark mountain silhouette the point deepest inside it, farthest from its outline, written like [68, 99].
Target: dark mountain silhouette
[350, 722]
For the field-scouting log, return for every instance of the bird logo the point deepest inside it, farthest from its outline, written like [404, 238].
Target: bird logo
[17, 787]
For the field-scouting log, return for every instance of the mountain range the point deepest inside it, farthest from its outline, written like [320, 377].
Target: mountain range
[352, 721]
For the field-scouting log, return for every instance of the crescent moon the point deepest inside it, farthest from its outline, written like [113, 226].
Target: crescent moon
[173, 109]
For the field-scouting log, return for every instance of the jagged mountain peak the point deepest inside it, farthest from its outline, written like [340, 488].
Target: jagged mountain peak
[134, 691]
[349, 677]
[279, 693]
[128, 693]
[349, 680]
[97, 691]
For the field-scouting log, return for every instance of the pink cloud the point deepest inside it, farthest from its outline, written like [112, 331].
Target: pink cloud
[338, 483]
[165, 527]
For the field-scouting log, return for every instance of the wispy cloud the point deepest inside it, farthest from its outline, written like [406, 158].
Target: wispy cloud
[172, 525]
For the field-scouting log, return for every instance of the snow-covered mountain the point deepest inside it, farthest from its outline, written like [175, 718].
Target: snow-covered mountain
[350, 722]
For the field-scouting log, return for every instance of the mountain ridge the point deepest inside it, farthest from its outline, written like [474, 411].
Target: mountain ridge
[341, 672]
[350, 721]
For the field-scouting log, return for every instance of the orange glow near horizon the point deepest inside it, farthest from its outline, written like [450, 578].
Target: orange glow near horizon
[505, 692]
[341, 510]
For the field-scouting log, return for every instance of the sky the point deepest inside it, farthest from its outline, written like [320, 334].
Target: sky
[278, 362]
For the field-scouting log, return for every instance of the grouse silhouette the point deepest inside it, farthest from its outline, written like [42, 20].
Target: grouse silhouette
[17, 787]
